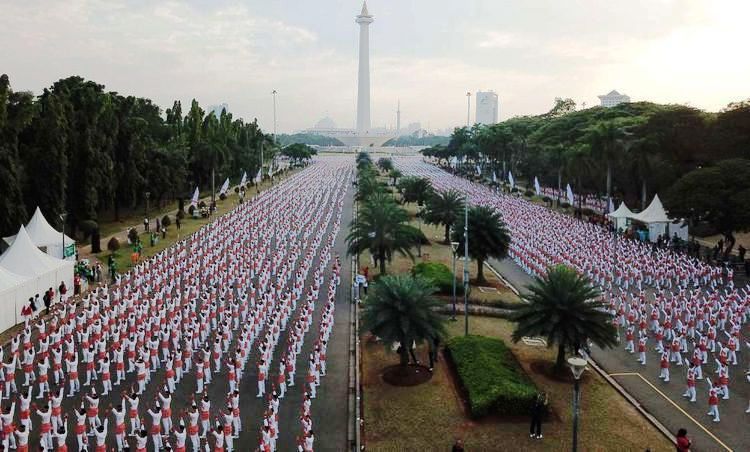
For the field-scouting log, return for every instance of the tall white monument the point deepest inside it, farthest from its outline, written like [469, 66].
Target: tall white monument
[363, 88]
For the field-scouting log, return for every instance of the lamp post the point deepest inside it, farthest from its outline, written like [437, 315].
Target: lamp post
[468, 109]
[466, 266]
[419, 241]
[274, 116]
[63, 216]
[577, 366]
[148, 195]
[454, 247]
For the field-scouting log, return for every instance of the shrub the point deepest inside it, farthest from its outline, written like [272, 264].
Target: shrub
[202, 204]
[491, 376]
[166, 221]
[223, 196]
[439, 274]
[546, 199]
[237, 189]
[113, 245]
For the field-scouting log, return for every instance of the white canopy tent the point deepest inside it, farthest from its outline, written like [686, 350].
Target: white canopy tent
[621, 216]
[655, 218]
[40, 270]
[44, 236]
[12, 298]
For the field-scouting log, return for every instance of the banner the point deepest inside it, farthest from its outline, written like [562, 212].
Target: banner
[244, 179]
[224, 188]
[537, 187]
[611, 206]
[194, 200]
[258, 177]
[479, 172]
[511, 180]
[570, 195]
[494, 177]
[69, 250]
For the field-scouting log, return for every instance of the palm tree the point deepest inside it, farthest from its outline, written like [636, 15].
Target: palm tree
[488, 237]
[382, 228]
[444, 208]
[385, 164]
[565, 309]
[401, 309]
[395, 174]
[415, 189]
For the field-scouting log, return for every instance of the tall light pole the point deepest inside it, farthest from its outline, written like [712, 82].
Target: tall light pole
[63, 216]
[468, 109]
[577, 366]
[466, 266]
[148, 195]
[274, 116]
[454, 247]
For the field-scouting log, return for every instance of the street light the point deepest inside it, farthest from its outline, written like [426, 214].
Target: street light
[274, 116]
[454, 247]
[148, 195]
[466, 265]
[63, 216]
[577, 366]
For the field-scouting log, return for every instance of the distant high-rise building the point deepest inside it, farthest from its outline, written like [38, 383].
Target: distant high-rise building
[613, 98]
[398, 118]
[487, 107]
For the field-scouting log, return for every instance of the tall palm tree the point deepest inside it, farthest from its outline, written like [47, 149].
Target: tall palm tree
[488, 236]
[415, 189]
[444, 208]
[382, 228]
[395, 174]
[565, 309]
[401, 309]
[385, 164]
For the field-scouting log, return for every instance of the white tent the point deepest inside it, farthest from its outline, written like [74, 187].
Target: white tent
[46, 237]
[655, 217]
[621, 216]
[12, 298]
[40, 270]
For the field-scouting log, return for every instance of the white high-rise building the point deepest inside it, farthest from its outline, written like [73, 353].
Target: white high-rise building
[613, 98]
[363, 88]
[486, 107]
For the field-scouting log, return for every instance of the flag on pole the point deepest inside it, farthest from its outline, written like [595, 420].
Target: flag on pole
[194, 200]
[224, 187]
[611, 206]
[570, 194]
[244, 179]
[494, 177]
[537, 187]
[511, 180]
[258, 177]
[479, 172]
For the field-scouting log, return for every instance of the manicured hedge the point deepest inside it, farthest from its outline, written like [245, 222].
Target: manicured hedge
[492, 377]
[439, 274]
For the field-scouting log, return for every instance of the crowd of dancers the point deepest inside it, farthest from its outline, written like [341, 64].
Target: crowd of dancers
[685, 311]
[160, 359]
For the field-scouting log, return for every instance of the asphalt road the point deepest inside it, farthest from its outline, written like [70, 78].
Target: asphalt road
[329, 409]
[664, 400]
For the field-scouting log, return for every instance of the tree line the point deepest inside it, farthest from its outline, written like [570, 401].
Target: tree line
[81, 149]
[628, 152]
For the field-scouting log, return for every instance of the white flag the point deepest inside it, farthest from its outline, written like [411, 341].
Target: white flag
[244, 179]
[611, 206]
[479, 172]
[511, 180]
[494, 177]
[258, 177]
[570, 194]
[194, 200]
[537, 187]
[224, 187]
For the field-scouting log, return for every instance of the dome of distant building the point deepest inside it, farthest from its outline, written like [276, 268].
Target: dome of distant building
[325, 123]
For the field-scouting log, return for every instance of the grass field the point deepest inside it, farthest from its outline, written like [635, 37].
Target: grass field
[431, 416]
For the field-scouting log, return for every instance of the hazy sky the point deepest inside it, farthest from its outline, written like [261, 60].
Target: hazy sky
[428, 53]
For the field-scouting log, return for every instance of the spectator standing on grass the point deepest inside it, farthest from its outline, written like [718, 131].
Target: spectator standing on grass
[145, 224]
[47, 299]
[537, 411]
[683, 442]
[63, 290]
[178, 223]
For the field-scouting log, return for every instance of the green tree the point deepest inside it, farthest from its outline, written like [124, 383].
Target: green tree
[488, 237]
[564, 308]
[444, 208]
[415, 189]
[15, 114]
[382, 228]
[395, 174]
[402, 309]
[385, 164]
